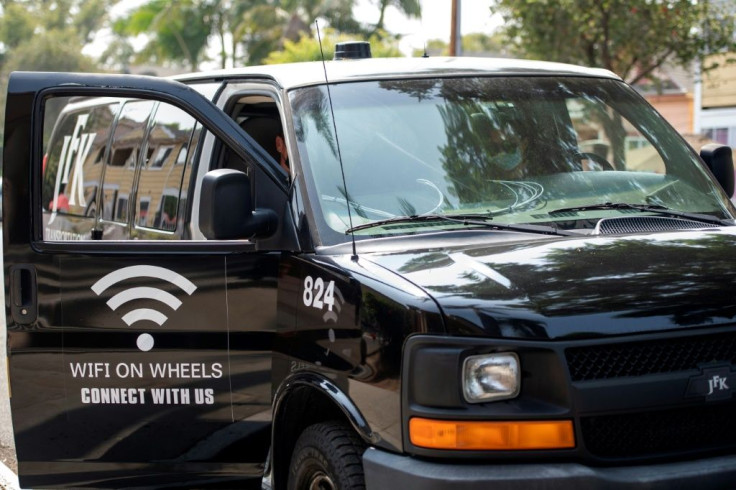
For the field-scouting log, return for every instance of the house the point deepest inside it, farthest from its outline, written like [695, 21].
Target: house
[717, 114]
[670, 91]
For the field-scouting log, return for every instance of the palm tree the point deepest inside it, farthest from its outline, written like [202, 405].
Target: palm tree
[411, 8]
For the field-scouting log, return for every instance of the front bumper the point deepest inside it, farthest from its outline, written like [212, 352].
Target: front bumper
[386, 471]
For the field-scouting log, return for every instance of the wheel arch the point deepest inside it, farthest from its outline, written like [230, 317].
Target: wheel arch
[302, 400]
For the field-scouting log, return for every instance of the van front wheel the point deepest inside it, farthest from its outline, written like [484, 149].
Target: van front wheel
[327, 456]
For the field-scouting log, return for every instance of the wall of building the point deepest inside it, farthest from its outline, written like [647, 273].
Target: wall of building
[718, 116]
[677, 109]
[719, 85]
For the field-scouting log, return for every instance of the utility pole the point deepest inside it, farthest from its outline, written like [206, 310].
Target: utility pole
[456, 48]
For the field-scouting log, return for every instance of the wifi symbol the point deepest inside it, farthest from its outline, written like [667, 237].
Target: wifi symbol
[145, 341]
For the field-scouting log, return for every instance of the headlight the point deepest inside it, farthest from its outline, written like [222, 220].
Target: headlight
[491, 377]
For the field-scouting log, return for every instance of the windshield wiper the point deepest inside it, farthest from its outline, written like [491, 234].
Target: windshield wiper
[652, 208]
[477, 219]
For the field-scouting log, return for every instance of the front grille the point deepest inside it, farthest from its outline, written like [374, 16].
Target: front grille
[683, 431]
[646, 224]
[649, 357]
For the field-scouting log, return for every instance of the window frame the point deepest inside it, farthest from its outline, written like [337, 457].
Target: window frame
[225, 100]
[215, 124]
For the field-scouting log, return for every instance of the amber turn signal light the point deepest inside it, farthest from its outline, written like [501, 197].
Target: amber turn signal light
[495, 436]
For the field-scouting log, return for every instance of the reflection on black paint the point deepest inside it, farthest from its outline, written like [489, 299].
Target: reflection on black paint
[582, 287]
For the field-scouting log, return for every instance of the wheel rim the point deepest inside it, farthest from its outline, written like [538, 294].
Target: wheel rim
[321, 481]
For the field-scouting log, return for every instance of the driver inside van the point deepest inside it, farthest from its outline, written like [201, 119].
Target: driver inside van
[269, 134]
[501, 145]
[283, 159]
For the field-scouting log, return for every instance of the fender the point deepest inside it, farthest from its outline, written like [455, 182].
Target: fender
[326, 387]
[319, 384]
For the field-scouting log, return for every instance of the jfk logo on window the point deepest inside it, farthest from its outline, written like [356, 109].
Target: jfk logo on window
[713, 384]
[74, 152]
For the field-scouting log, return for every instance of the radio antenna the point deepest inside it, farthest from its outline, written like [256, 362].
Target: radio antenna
[337, 141]
[424, 33]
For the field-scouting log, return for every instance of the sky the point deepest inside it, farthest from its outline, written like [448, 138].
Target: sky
[475, 16]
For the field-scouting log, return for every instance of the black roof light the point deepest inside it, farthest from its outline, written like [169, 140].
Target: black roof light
[352, 50]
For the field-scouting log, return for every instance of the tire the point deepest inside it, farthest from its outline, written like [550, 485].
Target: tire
[327, 456]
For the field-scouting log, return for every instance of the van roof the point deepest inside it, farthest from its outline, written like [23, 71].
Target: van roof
[291, 75]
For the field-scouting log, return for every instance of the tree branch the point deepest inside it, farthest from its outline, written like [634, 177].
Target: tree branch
[653, 66]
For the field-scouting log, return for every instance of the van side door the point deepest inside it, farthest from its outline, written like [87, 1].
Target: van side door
[118, 344]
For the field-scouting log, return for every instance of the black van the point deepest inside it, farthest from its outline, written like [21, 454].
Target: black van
[411, 273]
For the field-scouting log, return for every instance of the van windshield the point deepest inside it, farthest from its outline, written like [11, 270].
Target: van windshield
[518, 150]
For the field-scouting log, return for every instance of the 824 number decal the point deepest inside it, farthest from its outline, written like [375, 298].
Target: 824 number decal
[319, 294]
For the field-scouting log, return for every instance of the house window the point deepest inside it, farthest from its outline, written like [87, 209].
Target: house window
[719, 135]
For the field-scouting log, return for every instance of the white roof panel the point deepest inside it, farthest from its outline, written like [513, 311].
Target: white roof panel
[301, 74]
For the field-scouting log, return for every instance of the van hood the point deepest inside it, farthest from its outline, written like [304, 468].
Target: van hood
[578, 288]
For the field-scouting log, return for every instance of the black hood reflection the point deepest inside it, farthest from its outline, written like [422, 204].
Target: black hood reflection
[580, 287]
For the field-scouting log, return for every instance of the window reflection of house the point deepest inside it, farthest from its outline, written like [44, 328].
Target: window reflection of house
[671, 91]
[161, 177]
[143, 210]
[120, 169]
[631, 151]
[58, 198]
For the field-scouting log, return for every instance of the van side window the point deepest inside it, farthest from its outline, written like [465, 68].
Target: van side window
[124, 153]
[76, 135]
[161, 176]
[259, 117]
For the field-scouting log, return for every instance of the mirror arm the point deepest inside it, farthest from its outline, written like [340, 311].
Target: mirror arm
[262, 223]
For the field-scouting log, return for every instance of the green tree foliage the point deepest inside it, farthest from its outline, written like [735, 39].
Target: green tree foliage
[477, 43]
[77, 21]
[16, 25]
[410, 8]
[119, 53]
[308, 49]
[87, 17]
[258, 29]
[629, 37]
[435, 47]
[473, 44]
[47, 35]
[49, 51]
[246, 31]
[179, 31]
[338, 13]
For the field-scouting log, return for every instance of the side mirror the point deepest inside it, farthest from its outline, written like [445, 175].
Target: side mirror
[226, 211]
[719, 159]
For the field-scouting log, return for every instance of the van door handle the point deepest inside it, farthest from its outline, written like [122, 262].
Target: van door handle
[23, 294]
